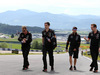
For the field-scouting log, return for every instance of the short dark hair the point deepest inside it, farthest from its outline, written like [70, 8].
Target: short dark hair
[94, 25]
[48, 23]
[74, 27]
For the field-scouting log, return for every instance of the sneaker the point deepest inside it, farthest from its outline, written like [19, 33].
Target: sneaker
[71, 68]
[52, 68]
[75, 68]
[91, 69]
[45, 70]
[95, 71]
[24, 68]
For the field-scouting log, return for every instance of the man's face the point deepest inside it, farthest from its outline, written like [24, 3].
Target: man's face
[74, 30]
[93, 28]
[24, 30]
[46, 26]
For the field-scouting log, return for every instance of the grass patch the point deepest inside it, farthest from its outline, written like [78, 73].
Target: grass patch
[85, 54]
[29, 53]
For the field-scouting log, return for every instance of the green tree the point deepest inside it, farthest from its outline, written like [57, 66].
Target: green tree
[36, 45]
[3, 45]
[12, 36]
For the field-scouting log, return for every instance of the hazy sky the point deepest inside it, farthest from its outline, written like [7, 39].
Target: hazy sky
[71, 7]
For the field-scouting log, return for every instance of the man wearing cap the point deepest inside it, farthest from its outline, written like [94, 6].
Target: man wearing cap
[74, 39]
[25, 38]
[94, 37]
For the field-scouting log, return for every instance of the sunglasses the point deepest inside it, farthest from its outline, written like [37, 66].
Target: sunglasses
[74, 29]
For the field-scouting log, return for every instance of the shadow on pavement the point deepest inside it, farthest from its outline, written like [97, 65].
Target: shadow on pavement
[27, 70]
[77, 71]
[53, 72]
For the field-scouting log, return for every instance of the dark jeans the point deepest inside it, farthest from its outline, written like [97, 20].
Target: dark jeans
[51, 57]
[25, 51]
[94, 54]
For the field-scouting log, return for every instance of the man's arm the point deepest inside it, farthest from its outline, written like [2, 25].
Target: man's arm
[89, 36]
[67, 43]
[42, 40]
[99, 41]
[20, 38]
[87, 39]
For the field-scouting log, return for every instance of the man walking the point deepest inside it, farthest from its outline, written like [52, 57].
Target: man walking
[47, 36]
[74, 39]
[25, 38]
[94, 36]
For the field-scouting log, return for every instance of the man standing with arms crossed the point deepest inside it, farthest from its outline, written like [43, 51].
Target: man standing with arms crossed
[47, 35]
[25, 38]
[94, 36]
[74, 39]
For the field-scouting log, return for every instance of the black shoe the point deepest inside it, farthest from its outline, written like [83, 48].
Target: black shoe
[24, 68]
[52, 68]
[91, 69]
[45, 70]
[71, 68]
[75, 68]
[27, 67]
[95, 71]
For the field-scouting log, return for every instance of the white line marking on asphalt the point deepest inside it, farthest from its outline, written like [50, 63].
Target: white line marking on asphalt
[89, 59]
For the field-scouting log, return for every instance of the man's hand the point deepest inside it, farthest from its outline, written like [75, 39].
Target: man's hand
[85, 38]
[66, 50]
[49, 40]
[99, 49]
[24, 40]
[74, 49]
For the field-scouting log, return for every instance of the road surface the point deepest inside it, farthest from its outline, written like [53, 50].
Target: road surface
[12, 65]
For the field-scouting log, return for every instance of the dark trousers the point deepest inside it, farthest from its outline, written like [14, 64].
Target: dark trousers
[25, 52]
[94, 54]
[51, 57]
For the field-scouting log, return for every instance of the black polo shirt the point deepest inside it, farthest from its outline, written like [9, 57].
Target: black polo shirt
[46, 36]
[94, 38]
[74, 40]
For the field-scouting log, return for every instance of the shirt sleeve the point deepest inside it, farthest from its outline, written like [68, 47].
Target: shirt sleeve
[20, 38]
[53, 33]
[68, 42]
[99, 40]
[42, 34]
[89, 36]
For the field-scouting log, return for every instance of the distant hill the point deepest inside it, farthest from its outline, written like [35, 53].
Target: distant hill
[58, 21]
[11, 29]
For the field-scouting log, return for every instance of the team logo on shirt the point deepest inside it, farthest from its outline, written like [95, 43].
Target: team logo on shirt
[44, 33]
[97, 36]
[22, 35]
[27, 37]
[76, 38]
[71, 37]
[91, 34]
[49, 34]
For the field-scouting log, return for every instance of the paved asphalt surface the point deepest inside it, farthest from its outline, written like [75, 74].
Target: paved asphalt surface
[12, 65]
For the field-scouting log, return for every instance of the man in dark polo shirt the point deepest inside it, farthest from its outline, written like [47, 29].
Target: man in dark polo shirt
[25, 38]
[94, 37]
[47, 35]
[74, 39]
